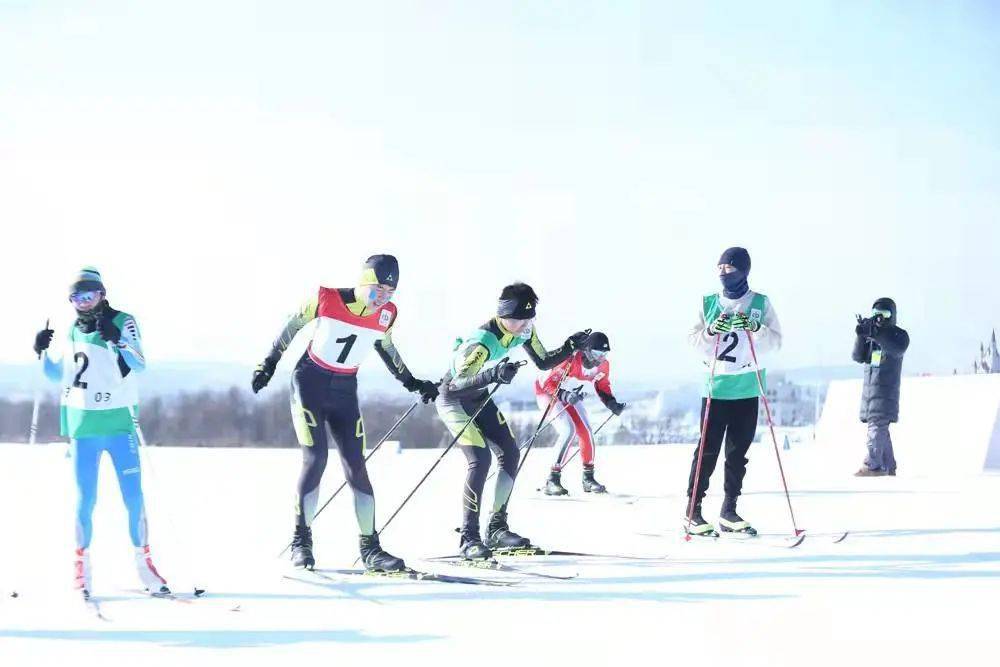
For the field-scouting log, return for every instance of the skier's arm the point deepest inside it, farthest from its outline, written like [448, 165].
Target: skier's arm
[293, 325]
[130, 346]
[53, 368]
[552, 380]
[893, 340]
[389, 353]
[469, 377]
[699, 338]
[541, 357]
[768, 337]
[603, 386]
[860, 351]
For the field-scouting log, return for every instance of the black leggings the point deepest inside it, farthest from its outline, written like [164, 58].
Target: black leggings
[489, 431]
[736, 420]
[324, 402]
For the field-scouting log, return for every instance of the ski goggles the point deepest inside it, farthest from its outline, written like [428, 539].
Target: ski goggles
[884, 314]
[597, 355]
[84, 298]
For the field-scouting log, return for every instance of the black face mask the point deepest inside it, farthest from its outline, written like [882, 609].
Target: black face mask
[86, 321]
[734, 285]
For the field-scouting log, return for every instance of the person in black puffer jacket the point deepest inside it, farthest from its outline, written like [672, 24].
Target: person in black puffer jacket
[880, 345]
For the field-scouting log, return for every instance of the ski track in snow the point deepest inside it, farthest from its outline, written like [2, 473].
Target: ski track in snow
[916, 582]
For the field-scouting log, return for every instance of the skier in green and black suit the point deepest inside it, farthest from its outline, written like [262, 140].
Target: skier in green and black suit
[476, 364]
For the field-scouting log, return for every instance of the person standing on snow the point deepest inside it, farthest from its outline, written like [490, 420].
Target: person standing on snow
[479, 361]
[324, 396]
[725, 322]
[587, 366]
[98, 372]
[880, 345]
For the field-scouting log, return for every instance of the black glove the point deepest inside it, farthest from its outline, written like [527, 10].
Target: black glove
[865, 327]
[577, 340]
[505, 371]
[570, 397]
[615, 407]
[263, 374]
[42, 340]
[427, 389]
[721, 324]
[109, 331]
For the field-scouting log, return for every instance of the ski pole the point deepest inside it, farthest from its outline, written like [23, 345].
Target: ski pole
[427, 474]
[368, 456]
[774, 438]
[701, 444]
[33, 431]
[594, 434]
[525, 443]
[538, 429]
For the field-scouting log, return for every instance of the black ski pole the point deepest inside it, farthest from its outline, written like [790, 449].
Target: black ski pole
[538, 428]
[368, 456]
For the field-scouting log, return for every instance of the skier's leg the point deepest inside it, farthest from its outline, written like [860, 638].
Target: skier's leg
[124, 451]
[86, 454]
[739, 435]
[717, 420]
[308, 404]
[565, 434]
[348, 429]
[455, 414]
[873, 460]
[500, 438]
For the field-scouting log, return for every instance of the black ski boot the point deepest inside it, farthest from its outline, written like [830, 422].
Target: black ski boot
[553, 485]
[731, 522]
[695, 524]
[499, 535]
[471, 547]
[591, 485]
[375, 558]
[302, 548]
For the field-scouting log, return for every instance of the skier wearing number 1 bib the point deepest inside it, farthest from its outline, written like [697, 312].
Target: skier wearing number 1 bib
[725, 323]
[97, 371]
[324, 397]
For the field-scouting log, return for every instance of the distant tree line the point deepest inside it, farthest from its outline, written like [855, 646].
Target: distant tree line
[237, 418]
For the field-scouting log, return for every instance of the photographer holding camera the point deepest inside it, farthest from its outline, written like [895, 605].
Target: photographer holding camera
[880, 346]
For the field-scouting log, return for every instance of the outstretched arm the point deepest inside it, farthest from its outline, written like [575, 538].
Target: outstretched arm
[390, 356]
[544, 359]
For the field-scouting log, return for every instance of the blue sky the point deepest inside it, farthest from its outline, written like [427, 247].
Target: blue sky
[218, 160]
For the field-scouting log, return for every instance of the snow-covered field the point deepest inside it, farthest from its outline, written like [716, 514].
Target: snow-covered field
[917, 581]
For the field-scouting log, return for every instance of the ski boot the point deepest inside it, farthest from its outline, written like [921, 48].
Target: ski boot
[302, 548]
[553, 485]
[695, 524]
[81, 566]
[471, 547]
[499, 536]
[731, 522]
[591, 485]
[375, 558]
[865, 471]
[150, 578]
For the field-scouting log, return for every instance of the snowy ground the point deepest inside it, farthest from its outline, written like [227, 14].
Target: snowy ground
[915, 583]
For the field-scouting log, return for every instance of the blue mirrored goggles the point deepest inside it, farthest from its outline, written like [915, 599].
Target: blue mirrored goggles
[83, 298]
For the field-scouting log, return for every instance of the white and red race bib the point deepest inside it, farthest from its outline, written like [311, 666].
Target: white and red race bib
[342, 339]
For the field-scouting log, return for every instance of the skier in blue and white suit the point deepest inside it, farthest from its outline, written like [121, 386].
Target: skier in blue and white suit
[98, 371]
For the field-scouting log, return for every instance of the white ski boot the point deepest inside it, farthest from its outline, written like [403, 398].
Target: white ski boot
[150, 578]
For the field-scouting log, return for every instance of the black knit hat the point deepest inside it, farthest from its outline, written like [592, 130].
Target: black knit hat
[380, 270]
[87, 279]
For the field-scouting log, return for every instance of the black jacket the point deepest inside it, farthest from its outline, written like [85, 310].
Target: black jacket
[883, 374]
